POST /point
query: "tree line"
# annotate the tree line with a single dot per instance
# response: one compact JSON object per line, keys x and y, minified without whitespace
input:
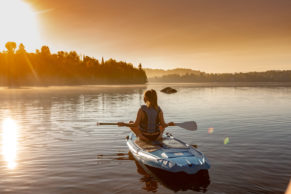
{"x":20,"y":68}
{"x":268,"y":76}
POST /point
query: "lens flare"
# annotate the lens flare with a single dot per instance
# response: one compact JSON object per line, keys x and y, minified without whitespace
{"x":9,"y":142}
{"x":226,"y":140}
{"x":210,"y":130}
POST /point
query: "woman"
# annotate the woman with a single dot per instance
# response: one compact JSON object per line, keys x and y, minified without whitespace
{"x":149,"y":124}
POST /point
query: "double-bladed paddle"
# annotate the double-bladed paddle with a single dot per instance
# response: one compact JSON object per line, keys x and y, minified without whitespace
{"x":188,"y":125}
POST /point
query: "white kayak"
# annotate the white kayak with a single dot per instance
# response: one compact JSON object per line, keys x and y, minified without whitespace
{"x":169,"y":154}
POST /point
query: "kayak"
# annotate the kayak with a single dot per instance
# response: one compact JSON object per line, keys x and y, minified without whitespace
{"x":169,"y":154}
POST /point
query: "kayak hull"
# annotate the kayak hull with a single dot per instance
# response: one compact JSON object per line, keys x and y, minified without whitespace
{"x":173,"y":181}
{"x":171,"y":155}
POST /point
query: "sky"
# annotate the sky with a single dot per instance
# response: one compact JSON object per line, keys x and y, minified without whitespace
{"x":208,"y":35}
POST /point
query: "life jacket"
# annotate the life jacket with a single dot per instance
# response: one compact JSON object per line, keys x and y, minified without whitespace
{"x":151,"y":122}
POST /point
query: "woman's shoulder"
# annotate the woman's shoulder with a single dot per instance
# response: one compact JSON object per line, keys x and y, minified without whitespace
{"x":143,"y":107}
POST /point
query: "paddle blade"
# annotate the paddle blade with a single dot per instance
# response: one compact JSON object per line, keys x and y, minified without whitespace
{"x":189,"y":125}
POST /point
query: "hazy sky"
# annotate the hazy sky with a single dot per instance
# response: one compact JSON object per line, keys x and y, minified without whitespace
{"x":207,"y":35}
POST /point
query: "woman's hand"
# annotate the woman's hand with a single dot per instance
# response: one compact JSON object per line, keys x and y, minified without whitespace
{"x":171,"y":124}
{"x":121,"y":124}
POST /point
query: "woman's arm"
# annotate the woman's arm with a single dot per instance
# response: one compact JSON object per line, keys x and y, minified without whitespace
{"x":133,"y":124}
{"x":137,"y":120}
{"x":162,"y":121}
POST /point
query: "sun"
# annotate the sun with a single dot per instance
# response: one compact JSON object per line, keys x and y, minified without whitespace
{"x":18,"y":23}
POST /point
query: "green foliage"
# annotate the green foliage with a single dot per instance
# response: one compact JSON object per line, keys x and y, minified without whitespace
{"x":21,"y":68}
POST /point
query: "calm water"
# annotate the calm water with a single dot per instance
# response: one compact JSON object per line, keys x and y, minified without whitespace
{"x":51,"y":144}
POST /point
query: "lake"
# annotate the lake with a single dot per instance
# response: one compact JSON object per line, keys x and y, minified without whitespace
{"x":50,"y":142}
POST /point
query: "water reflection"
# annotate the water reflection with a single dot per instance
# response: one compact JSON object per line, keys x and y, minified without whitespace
{"x":173,"y":181}
{"x":153,"y":178}
{"x":9,"y":142}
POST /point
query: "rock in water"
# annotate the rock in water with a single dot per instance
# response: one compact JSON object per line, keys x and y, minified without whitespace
{"x":169,"y":90}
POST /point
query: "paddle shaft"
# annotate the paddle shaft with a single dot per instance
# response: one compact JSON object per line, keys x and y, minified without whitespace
{"x":117,"y":124}
{"x":107,"y":124}
{"x":191,"y":126}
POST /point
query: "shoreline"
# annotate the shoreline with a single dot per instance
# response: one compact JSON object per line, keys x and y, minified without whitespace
{"x":227,"y":84}
{"x":163,"y":84}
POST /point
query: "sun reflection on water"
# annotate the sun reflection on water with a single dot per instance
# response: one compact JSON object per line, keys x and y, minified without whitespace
{"x":9,"y":142}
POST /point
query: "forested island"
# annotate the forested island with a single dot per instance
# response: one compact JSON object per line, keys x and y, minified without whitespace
{"x":267,"y":76}
{"x":43,"y":68}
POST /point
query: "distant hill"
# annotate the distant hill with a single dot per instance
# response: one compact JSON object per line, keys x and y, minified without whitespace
{"x":267,"y":76}
{"x":151,"y":73}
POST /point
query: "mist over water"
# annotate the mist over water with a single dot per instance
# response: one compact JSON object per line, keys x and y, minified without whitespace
{"x":50,"y":142}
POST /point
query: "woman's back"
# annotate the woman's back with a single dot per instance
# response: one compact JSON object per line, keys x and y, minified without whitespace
{"x":150,"y":119}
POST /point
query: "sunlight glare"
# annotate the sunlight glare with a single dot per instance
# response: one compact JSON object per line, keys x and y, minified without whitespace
{"x":18,"y":24}
{"x":9,"y":142}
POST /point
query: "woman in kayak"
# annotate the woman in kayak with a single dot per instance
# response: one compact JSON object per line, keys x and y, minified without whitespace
{"x":149,"y":124}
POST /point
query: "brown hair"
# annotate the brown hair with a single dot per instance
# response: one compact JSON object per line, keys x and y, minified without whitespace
{"x":151,"y":96}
